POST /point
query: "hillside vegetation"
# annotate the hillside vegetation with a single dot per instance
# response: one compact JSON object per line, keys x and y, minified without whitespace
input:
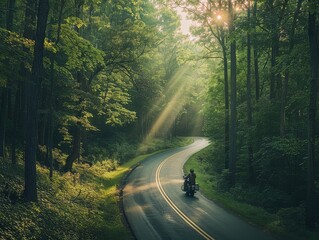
{"x":258,"y":208}
{"x":83,"y":204}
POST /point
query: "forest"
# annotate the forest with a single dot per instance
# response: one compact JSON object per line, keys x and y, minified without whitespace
{"x":88,"y":85}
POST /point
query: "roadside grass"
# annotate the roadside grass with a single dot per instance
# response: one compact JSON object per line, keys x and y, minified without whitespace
{"x":79,"y":205}
{"x":254,"y":215}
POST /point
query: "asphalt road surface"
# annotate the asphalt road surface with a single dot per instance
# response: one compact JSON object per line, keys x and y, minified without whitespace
{"x":156,"y":208}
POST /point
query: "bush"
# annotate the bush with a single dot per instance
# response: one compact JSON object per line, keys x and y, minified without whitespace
{"x":292,"y":218}
{"x":224,"y":181}
{"x":122,"y":151}
{"x":245,"y":194}
{"x":105,"y":166}
{"x":69,"y":207}
{"x":273,"y":199}
{"x":270,"y":199}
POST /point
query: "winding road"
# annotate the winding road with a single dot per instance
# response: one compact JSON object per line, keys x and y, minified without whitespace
{"x":156,"y":208}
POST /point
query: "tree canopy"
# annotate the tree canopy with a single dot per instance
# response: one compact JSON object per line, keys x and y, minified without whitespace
{"x":82,"y":77}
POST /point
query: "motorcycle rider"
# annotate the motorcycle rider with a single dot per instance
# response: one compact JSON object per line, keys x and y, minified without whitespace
{"x":190,"y":178}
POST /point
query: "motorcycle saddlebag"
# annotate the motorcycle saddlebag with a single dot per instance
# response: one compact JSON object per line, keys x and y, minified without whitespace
{"x":184,"y":188}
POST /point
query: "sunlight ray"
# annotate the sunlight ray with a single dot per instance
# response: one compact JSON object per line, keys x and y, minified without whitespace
{"x":177,"y":88}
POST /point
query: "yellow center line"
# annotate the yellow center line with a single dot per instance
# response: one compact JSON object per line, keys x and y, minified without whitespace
{"x":175,"y":208}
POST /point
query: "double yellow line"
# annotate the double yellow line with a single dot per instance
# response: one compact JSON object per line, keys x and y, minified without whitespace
{"x":175,"y":208}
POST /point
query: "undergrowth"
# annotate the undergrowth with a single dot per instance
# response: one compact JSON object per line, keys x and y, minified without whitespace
{"x":81,"y":205}
{"x":286,"y":223}
{"x":78,"y":205}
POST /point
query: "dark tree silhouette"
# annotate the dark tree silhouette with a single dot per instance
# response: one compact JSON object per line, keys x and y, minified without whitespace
{"x":30,"y":192}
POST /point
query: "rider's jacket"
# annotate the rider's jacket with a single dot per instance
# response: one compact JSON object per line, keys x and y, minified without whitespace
{"x":191,"y":178}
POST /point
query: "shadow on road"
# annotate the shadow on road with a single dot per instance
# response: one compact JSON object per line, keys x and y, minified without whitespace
{"x":189,"y":199}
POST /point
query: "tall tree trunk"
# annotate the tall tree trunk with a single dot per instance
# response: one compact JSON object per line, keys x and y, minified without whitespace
{"x":286,"y":78}
{"x":76,"y":143}
{"x":274,"y":25}
{"x":30,"y":191}
{"x":256,"y":62}
{"x":15,"y":126}
{"x":28,"y":32}
{"x":226,"y":123}
{"x":274,"y":77}
{"x":219,"y":34}
{"x":314,"y":65}
{"x":256,"y":73}
{"x":249,"y":104}
{"x":3,"y":120}
{"x":233,"y":101}
{"x":284,"y":95}
{"x":11,"y":7}
{"x":29,"y":19}
{"x":76,"y":147}
{"x":51,"y":93}
{"x":5,"y":91}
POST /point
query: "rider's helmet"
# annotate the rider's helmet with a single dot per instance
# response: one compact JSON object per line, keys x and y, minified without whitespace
{"x":192,"y":170}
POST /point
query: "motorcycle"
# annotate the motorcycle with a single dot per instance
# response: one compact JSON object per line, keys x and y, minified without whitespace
{"x":189,"y":189}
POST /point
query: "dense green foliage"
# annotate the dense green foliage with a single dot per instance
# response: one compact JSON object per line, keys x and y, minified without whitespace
{"x":259,"y":208}
{"x":110,"y":71}
{"x":72,"y":206}
{"x":274,"y":162}
{"x":79,"y":205}
{"x":115,"y":74}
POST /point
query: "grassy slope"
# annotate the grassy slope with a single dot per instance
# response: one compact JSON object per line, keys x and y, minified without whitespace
{"x":252,"y":214}
{"x":81,"y":205}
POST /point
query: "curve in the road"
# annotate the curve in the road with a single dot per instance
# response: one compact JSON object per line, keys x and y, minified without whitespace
{"x":175,"y":208}
{"x":156,"y":208}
